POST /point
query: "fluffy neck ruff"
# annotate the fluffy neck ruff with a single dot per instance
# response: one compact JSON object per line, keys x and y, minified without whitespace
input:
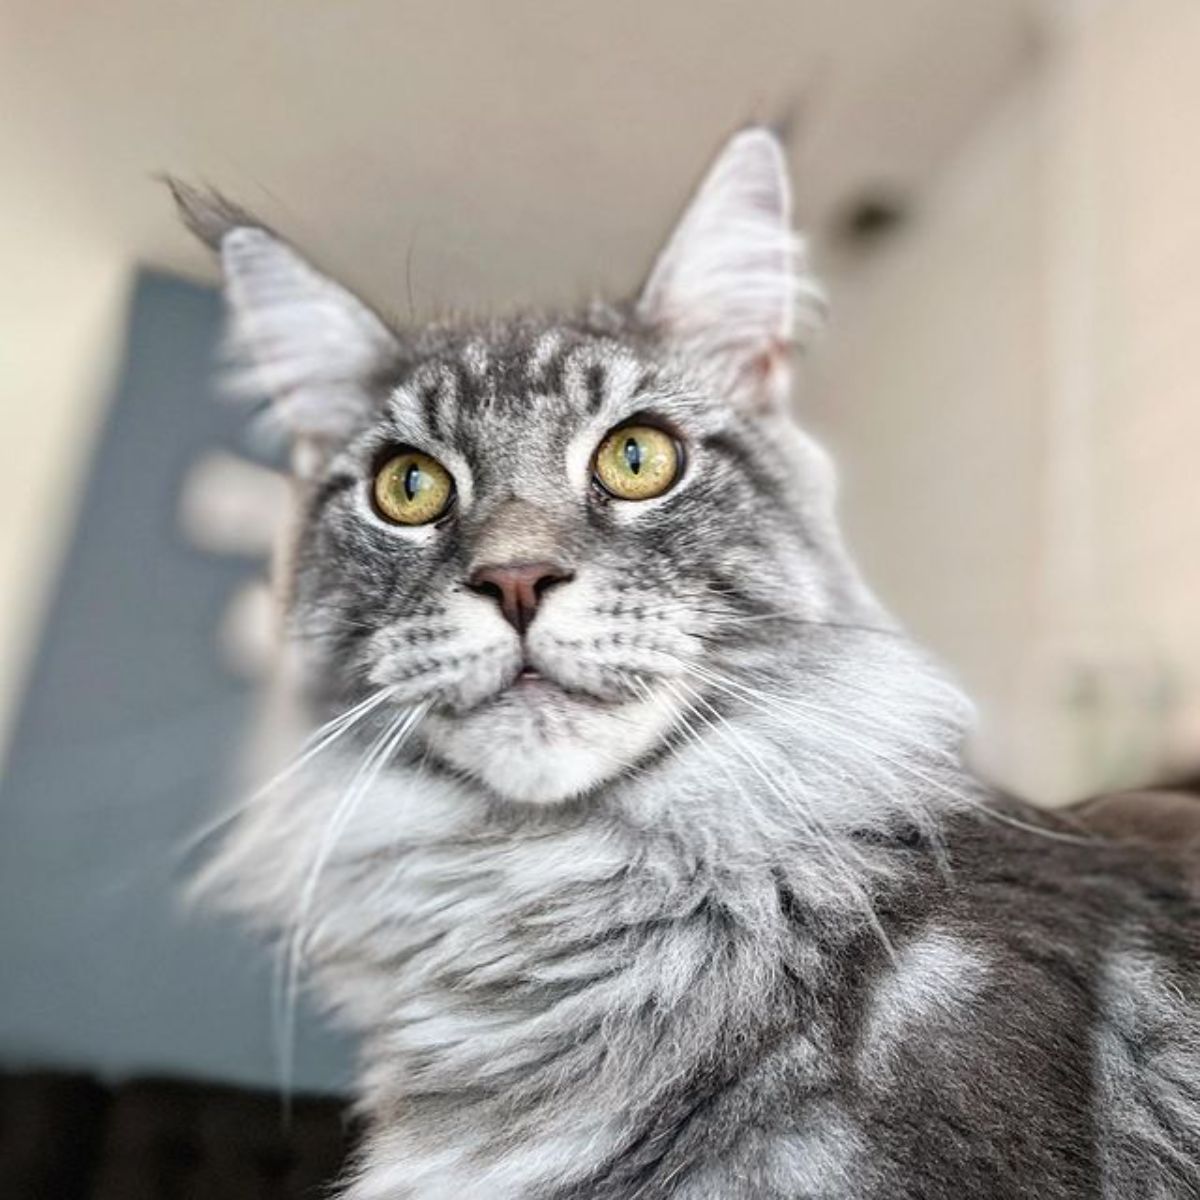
{"x":533,"y":983}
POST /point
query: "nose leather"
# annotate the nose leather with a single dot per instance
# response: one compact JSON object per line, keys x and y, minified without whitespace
{"x":518,"y":588}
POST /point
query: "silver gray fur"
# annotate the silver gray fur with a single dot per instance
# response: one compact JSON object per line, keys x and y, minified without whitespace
{"x":715,"y":912}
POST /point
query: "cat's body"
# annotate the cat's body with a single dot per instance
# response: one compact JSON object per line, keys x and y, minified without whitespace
{"x":596,"y":1002}
{"x":651,"y":869}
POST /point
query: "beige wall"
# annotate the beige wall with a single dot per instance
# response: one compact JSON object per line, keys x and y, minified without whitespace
{"x":1012,"y":387}
{"x":926,"y":391}
{"x":1148,"y":422}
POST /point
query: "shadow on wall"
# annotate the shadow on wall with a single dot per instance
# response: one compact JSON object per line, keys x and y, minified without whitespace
{"x":123,"y":748}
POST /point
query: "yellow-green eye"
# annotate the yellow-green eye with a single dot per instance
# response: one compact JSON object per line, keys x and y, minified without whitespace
{"x":637,"y":462}
{"x":413,"y":489}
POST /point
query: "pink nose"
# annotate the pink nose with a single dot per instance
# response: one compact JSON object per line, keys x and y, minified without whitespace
{"x":518,"y":588}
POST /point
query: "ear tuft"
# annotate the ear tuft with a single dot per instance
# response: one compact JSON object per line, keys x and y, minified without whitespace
{"x":206,"y":213}
{"x":294,"y":335}
{"x":731,"y":283}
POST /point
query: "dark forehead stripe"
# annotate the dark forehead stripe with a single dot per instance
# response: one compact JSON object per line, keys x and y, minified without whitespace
{"x":474,"y":389}
{"x":595,"y":381}
{"x":548,"y":375}
{"x":508,"y":379}
{"x":432,"y":386}
{"x":647,"y":382}
{"x":430,"y":395}
{"x":502,"y":368}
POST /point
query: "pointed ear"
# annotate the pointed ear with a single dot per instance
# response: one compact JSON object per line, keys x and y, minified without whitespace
{"x":295,"y":336}
{"x":730,"y":285}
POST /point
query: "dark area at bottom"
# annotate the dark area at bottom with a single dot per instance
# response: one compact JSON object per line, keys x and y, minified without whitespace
{"x":68,"y":1137}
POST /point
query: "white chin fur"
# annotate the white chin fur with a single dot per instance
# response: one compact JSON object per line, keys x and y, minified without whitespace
{"x":538,"y":746}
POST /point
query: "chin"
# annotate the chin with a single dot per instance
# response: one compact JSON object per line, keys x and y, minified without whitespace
{"x":535,"y":743}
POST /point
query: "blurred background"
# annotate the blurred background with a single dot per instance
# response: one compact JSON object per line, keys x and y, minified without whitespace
{"x":1003,"y":197}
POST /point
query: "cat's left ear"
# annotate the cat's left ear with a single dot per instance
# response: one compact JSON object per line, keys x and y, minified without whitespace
{"x":300,"y":339}
{"x":730,"y":286}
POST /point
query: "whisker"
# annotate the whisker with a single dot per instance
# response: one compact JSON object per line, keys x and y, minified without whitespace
{"x":835,"y":723}
{"x":826,"y":721}
{"x":685,"y":607}
{"x":316,"y":742}
{"x":754,"y":763}
{"x":805,"y":622}
{"x":379,"y":755}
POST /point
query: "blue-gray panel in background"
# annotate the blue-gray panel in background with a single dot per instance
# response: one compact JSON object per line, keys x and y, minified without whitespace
{"x":122,"y":748}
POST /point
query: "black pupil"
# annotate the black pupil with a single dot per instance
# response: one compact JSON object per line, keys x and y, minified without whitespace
{"x":412,"y":481}
{"x":633,"y":455}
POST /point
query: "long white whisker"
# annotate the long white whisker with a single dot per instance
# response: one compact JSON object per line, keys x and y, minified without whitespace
{"x":754,"y":764}
{"x":317,"y":742}
{"x":381,"y":752}
{"x":835,"y":725}
{"x":829,"y":725}
{"x":285,"y":982}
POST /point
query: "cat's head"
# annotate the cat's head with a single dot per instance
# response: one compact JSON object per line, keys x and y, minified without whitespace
{"x":552,"y":534}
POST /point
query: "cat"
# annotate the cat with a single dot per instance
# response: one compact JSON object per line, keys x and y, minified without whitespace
{"x":636,"y":839}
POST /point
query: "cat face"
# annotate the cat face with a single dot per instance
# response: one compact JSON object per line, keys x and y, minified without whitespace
{"x":552,"y":536}
{"x":631,"y":595}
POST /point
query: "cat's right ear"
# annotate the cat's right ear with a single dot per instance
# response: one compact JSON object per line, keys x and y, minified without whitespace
{"x":296,"y":337}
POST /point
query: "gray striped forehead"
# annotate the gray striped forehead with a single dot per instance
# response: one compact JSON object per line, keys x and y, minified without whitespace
{"x":506,"y":404}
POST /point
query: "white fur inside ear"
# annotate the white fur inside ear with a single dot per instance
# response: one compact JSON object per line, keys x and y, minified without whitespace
{"x":732,"y":277}
{"x":298,"y":337}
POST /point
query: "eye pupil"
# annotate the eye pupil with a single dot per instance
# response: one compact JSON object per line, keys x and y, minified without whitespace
{"x":412,"y":481}
{"x":633,"y":455}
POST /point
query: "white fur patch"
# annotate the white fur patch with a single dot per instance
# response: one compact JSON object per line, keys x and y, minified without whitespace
{"x":535,"y":746}
{"x":1148,"y":1064}
{"x":933,"y":981}
{"x":396,"y":1169}
{"x":821,"y":1158}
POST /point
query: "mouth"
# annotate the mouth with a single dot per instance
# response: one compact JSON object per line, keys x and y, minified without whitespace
{"x":528,"y":687}
{"x":530,"y":682}
{"x":532,"y":685}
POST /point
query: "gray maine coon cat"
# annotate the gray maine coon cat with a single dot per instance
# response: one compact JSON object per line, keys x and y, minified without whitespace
{"x":637,"y":843}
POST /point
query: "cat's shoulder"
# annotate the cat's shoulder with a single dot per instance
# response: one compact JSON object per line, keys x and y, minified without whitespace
{"x":1161,"y":818}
